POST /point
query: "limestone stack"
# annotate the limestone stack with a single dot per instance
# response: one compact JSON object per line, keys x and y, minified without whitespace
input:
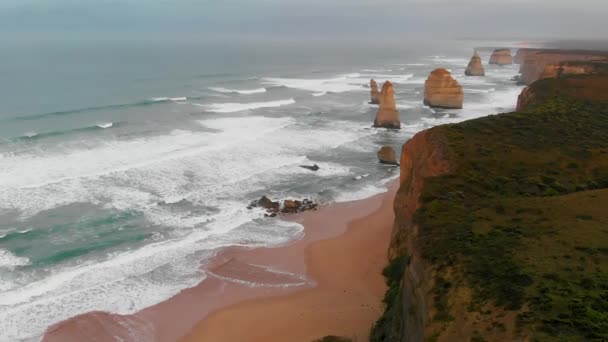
{"x":375,"y":92}
{"x":501,"y":57}
{"x":387,"y":116}
{"x":475,"y":67}
{"x":441,"y":90}
{"x":387,"y":155}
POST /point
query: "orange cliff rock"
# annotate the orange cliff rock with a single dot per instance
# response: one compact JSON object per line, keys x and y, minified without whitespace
{"x":534,"y":62}
{"x":375,"y":93}
{"x":387,"y":116}
{"x":593,"y":87}
{"x":522,"y":53}
{"x":501,"y":57}
{"x":475,"y":67}
{"x":573,"y":68}
{"x":441,"y":90}
{"x":424,"y":156}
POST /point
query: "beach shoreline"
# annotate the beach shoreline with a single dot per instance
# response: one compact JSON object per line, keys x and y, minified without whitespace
{"x":330,"y":279}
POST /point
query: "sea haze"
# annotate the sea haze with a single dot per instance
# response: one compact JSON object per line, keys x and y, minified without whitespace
{"x":124,"y":166}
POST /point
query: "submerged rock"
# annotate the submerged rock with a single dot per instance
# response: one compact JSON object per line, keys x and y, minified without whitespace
{"x":315,"y":167}
{"x":387,"y":155}
{"x":441,"y":90}
{"x":501,"y":57}
{"x":375,"y":93}
{"x":475,"y":67}
{"x":387,"y":116}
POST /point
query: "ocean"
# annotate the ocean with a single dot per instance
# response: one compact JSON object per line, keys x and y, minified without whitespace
{"x":124,"y":166}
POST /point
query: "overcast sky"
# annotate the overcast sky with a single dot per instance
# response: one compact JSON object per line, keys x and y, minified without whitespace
{"x":444,"y":18}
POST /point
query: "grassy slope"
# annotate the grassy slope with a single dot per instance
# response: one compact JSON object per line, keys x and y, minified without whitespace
{"x":522,"y":223}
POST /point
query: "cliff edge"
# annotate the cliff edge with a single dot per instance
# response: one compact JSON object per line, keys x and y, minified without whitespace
{"x":500,"y":224}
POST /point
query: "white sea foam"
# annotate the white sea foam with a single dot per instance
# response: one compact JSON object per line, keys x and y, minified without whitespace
{"x":319,"y":94}
{"x":400,"y":79}
{"x":105,"y":125}
{"x":237,"y":91}
{"x":447,"y":60}
{"x":408,"y":104}
{"x":164,"y":99}
{"x":238,"y":107}
{"x":362,"y":193}
{"x":8,"y":259}
{"x":297,"y":279}
{"x":340,"y":84}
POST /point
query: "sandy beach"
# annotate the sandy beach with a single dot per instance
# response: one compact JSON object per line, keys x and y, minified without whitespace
{"x":327,"y":283}
{"x":346,"y":300}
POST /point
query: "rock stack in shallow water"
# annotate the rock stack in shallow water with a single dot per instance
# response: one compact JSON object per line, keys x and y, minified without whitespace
{"x":501,"y":57}
{"x":475,"y":67}
{"x":387,"y":155}
{"x":387,"y":116}
{"x":375,"y":92}
{"x":441,"y":90}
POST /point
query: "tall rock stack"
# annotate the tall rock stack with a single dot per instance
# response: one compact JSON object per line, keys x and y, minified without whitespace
{"x":441,"y":90}
{"x":475,"y":67}
{"x":501,"y":57}
{"x":375,"y":92}
{"x":388,"y":116}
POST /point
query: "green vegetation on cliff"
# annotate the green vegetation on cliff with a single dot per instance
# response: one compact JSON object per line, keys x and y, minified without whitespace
{"x":521,"y":223}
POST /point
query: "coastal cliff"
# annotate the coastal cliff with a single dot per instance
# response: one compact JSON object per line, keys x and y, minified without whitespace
{"x":498,"y":221}
{"x":424,"y":156}
{"x":574,"y":68}
{"x":585,"y":87}
{"x":534,"y":62}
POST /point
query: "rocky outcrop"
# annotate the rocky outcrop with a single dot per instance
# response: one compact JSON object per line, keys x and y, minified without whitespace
{"x":534,"y":63}
{"x":475,"y":67}
{"x":582,"y":87}
{"x":375,"y":93}
{"x":387,"y":155}
{"x":314,"y":167}
{"x":387,"y":116}
{"x":441,"y":90}
{"x":501,"y":57}
{"x":273,"y":208}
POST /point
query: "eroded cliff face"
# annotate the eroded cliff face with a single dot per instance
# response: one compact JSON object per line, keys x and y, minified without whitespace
{"x":535,"y":61}
{"x":573,"y":68}
{"x":592,"y":87}
{"x":475,"y":67}
{"x":521,"y":54}
{"x":387,"y":116}
{"x":501,"y":57}
{"x":441,"y":90}
{"x":424,"y":156}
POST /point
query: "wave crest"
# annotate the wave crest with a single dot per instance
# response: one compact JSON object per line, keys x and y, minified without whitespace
{"x":237,"y":91}
{"x":238,"y":107}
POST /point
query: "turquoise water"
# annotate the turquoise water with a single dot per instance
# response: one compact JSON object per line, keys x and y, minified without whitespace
{"x":125,"y":165}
